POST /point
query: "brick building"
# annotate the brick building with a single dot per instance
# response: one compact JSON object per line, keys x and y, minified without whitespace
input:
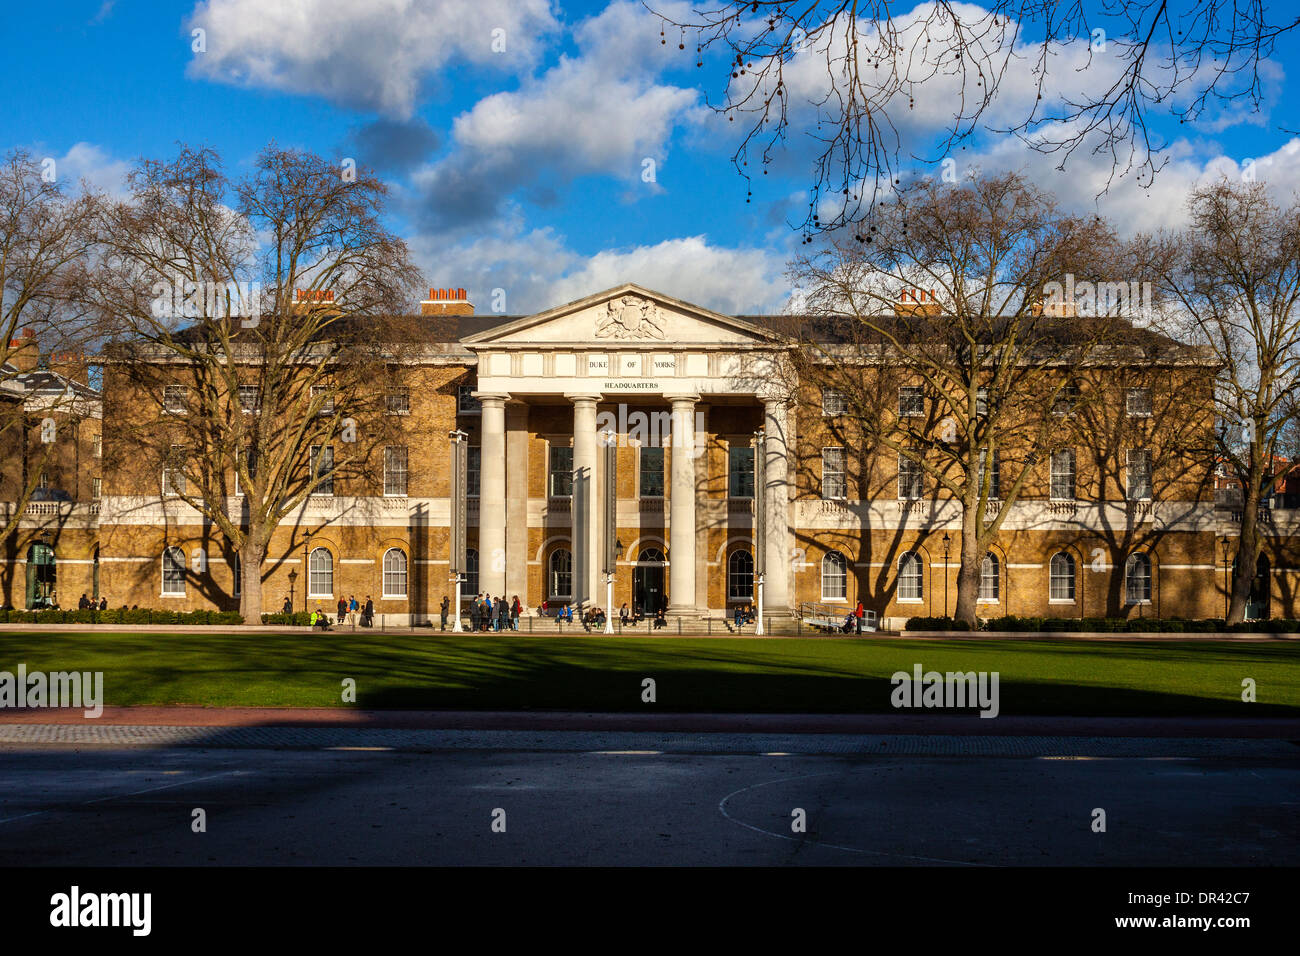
{"x":1131,"y":530}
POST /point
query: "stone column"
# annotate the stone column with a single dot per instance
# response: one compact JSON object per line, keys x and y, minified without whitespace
{"x":586,"y":540}
{"x":492,"y":496}
{"x":681,"y":518}
{"x":776,"y":589}
{"x":516,"y":502}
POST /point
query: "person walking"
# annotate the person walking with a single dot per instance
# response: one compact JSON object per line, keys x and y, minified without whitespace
{"x":288,"y":606}
{"x":858,"y":615}
{"x":369,"y":613}
{"x":623,"y":615}
{"x":445,"y":609}
{"x":515,"y":610}
{"x":103,"y":603}
{"x":343,"y":610}
{"x":353,"y":608}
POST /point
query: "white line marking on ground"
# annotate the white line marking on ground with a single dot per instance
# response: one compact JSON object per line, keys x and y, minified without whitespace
{"x":134,"y":793}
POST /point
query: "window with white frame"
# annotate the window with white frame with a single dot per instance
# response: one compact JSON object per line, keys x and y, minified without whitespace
{"x":1066,"y":399}
{"x":97,"y":446}
{"x":1137,"y":402}
{"x":470,"y":587}
{"x":560,"y":574}
{"x":911,"y":577}
{"x":320,"y":573}
{"x":173,"y":473}
{"x":560,"y":470}
{"x":650,"y":470}
{"x":96,"y":486}
{"x":473,"y":470}
{"x":740,"y":472}
{"x":834,"y":482}
{"x":833,"y":402}
{"x":1061,"y":578}
{"x":911,"y":401}
{"x":395,"y":470}
{"x":1139,"y":474}
{"x":982,"y":400}
{"x":994,"y":479}
{"x":1137,"y":579}
{"x":250,"y":458}
{"x":911,"y":480}
{"x":466,"y":403}
{"x":835,"y":576}
{"x":1062,"y":485}
{"x":173,"y":571}
{"x":740,"y":576}
{"x":398,"y":401}
{"x":394,"y":573}
{"x":322,"y":467}
{"x":322,"y":395}
{"x":990,"y":579}
{"x":175,"y":398}
{"x":249,"y":400}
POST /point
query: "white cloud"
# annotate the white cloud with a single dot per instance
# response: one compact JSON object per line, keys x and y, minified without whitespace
{"x":88,"y":162}
{"x":375,"y":54}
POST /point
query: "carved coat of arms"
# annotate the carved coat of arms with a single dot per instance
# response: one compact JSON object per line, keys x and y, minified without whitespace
{"x":630,"y":317}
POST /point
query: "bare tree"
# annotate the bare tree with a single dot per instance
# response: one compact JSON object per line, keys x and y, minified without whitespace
{"x":849,"y":73}
{"x":985,"y":371}
{"x":44,"y":241}
{"x":252,"y":324}
{"x":1233,"y":281}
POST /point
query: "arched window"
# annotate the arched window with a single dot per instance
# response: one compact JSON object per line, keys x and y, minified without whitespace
{"x":911,"y":577}
{"x":560,"y":574}
{"x":651,"y":556}
{"x":740,"y":576}
{"x":469,"y":587}
{"x":394,"y":573}
{"x":990,"y":580}
{"x":1061,"y":577}
{"x":835,"y":576}
{"x":320,"y":576}
{"x":173,"y":571}
{"x":1137,"y":579}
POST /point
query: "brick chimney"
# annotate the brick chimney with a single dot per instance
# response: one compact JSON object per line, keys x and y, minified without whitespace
{"x":309,"y":298}
{"x":918,"y":302}
{"x":447,"y":302}
{"x":24,"y":353}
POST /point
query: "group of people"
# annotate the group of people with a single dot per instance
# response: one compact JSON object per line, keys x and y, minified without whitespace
{"x":88,"y":604}
{"x":853,"y":620}
{"x":487,"y":613}
{"x":349,"y":611}
{"x":745,"y":614}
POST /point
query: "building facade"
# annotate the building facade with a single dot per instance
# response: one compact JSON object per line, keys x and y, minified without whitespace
{"x":1126,"y":527}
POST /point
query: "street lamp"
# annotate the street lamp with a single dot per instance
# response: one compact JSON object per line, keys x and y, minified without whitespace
{"x":946,"y":541}
{"x":293,"y":579}
{"x":1227,"y":584}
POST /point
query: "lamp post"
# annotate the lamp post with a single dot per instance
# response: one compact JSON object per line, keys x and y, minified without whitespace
{"x":293,"y":579}
{"x":946,"y":542}
{"x":1227,"y":584}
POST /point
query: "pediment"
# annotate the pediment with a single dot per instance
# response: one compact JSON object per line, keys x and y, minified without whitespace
{"x":628,"y":315}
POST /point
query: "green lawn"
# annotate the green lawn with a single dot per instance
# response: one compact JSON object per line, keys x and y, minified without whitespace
{"x":433,"y":671}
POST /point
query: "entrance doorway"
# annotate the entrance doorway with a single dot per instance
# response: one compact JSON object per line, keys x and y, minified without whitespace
{"x":1257,"y":602}
{"x":40,"y":576}
{"x":648,"y":582}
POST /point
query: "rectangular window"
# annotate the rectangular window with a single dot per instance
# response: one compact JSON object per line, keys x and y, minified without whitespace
{"x":1066,"y":400}
{"x":560,"y":470}
{"x":323,"y":395}
{"x":174,"y":399}
{"x":911,"y":401}
{"x":97,"y":446}
{"x":248,"y":398}
{"x":399,"y":401}
{"x":473,"y":470}
{"x":96,"y":485}
{"x":249,"y":457}
{"x":322,"y":466}
{"x":1139,"y":474}
{"x":395,"y":470}
{"x":982,"y":400}
{"x":466,"y":403}
{"x":173,"y":571}
{"x":44,"y":481}
{"x":833,"y":402}
{"x":173,"y":476}
{"x":834,"y":482}
{"x":995,"y":479}
{"x":652,"y":472}
{"x":740,"y":472}
{"x":1063,"y":475}
{"x":1137,"y":403}
{"x":911,"y":480}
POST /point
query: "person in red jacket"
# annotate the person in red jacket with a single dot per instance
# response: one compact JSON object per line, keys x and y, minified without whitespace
{"x":858,"y":614}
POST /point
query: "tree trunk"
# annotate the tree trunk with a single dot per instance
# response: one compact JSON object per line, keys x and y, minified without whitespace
{"x":251,"y":556}
{"x":1247,"y":554}
{"x":968,"y":575}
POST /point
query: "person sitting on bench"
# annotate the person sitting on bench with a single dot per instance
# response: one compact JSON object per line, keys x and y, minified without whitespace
{"x":318,"y":619}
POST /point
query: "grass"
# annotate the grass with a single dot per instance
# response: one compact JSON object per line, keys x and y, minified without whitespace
{"x":423,"y":671}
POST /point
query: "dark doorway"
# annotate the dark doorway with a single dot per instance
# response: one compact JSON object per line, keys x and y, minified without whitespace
{"x":648,"y":582}
{"x":40,"y":576}
{"x":1257,"y":602}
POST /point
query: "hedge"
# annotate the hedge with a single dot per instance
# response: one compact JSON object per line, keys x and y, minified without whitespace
{"x":1145,"y":625}
{"x":302,"y":618}
{"x":120,"y":616}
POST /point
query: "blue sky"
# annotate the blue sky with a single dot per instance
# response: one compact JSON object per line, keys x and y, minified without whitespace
{"x":518,"y":169}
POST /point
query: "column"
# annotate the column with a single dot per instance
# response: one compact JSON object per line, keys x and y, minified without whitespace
{"x":492,"y":496}
{"x":681,"y":516}
{"x":776,"y":587}
{"x":586,"y":540}
{"x":516,"y":502}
